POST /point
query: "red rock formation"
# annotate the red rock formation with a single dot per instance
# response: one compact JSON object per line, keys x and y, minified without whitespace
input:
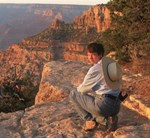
{"x":56,"y":86}
{"x":57,"y":24}
{"x":96,"y":17}
{"x":1,"y":55}
{"x":75,"y":51}
{"x":30,"y":55}
{"x":20,"y":60}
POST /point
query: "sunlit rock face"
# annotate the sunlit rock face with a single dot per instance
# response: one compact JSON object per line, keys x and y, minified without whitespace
{"x":96,"y":17}
{"x":58,"y":79}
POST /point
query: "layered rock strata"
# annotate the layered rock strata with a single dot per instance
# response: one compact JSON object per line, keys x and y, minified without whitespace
{"x":96,"y":17}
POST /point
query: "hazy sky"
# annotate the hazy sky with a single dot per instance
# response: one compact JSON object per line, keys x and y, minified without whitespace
{"x":79,"y":2}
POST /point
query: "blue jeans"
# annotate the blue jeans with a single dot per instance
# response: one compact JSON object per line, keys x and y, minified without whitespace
{"x":94,"y":108}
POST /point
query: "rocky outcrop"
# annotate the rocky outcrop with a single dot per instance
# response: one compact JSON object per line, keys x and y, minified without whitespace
{"x":26,"y":60}
{"x":23,"y":20}
{"x":56,"y":84}
{"x":96,"y":17}
{"x":30,"y":56}
{"x":53,"y":115}
{"x":59,"y":50}
{"x":59,"y":119}
{"x":75,"y":51}
{"x":22,"y":61}
{"x":57,"y":24}
{"x":34,"y":44}
{"x":58,"y":79}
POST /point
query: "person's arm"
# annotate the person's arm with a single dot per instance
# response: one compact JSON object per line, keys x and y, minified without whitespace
{"x":89,"y":82}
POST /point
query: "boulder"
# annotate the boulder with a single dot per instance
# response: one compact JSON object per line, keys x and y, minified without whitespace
{"x":59,"y":78}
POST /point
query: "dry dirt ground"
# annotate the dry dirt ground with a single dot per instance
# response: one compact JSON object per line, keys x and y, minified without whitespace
{"x":139,"y":77}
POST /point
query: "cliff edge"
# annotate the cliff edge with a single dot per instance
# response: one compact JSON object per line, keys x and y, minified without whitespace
{"x":53,"y":115}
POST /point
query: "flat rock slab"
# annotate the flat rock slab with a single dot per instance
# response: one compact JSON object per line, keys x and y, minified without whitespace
{"x":59,"y":120}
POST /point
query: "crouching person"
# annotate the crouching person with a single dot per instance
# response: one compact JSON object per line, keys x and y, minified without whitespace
{"x":96,"y":99}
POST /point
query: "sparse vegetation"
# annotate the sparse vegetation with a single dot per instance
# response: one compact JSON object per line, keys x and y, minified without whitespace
{"x":65,"y":34}
{"x":16,"y":93}
{"x":130,"y":33}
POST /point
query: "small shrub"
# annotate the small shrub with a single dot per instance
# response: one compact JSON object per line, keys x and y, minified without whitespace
{"x":16,"y":93}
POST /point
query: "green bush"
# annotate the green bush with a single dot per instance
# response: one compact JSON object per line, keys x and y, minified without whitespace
{"x":17,"y":93}
{"x":130,"y":29}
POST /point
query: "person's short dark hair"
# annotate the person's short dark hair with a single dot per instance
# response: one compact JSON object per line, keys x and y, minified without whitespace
{"x":96,"y":48}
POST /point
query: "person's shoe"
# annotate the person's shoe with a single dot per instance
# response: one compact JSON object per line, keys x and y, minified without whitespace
{"x":89,"y":125}
{"x":102,"y":123}
{"x":101,"y":127}
{"x":113,"y":123}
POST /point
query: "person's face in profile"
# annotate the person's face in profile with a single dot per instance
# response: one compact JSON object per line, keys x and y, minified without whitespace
{"x":93,"y":57}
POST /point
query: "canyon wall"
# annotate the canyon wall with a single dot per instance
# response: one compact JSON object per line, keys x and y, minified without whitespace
{"x":23,"y":20}
{"x":29,"y":57}
{"x":96,"y":17}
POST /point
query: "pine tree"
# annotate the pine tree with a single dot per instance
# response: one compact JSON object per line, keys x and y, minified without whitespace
{"x":130,"y":25}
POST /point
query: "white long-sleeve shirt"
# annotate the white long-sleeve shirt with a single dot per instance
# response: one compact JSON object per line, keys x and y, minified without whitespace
{"x":94,"y":80}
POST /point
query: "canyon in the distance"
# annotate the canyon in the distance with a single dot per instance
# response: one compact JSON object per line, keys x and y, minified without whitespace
{"x":18,"y":21}
{"x":57,"y":66}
